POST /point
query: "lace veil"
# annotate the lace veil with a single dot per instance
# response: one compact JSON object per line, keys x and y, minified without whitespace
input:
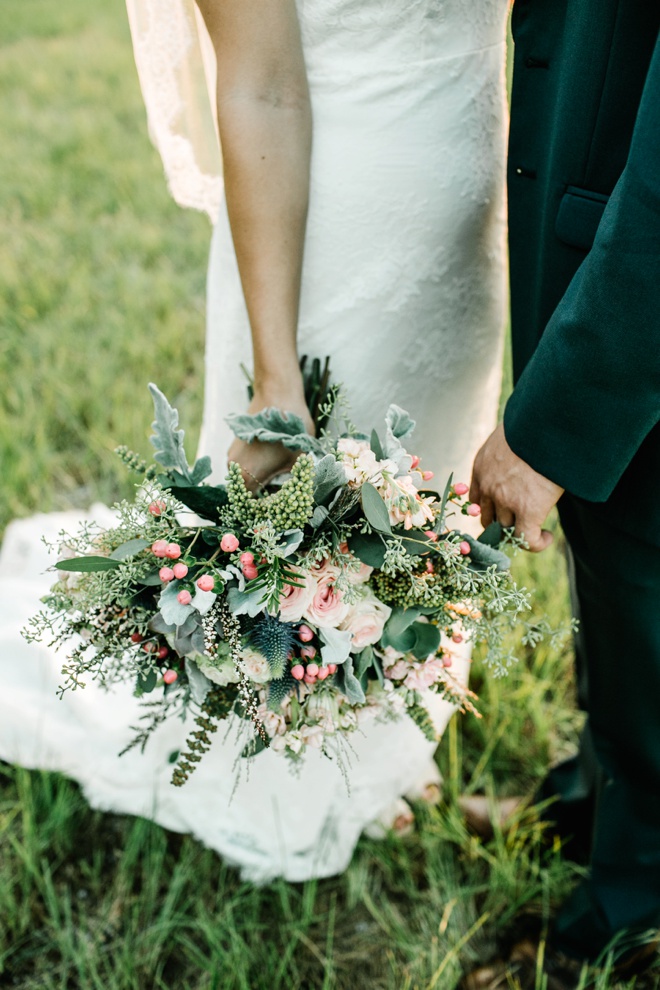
{"x":176,"y":67}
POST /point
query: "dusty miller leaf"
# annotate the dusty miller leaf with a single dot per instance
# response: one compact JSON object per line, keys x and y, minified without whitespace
{"x":167,"y":440}
{"x":274,"y":426}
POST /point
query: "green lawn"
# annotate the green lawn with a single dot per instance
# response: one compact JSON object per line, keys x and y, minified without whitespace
{"x":102,"y":289}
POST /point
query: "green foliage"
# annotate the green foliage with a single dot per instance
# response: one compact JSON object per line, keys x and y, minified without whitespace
{"x":420,"y":716}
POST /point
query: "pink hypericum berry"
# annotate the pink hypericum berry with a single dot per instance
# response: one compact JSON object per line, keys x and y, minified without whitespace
{"x":158,"y":507}
{"x":457,"y":638}
{"x":250,"y":573}
{"x":447,"y":661}
{"x":332,"y":667}
{"x":136,"y":637}
{"x":298,"y":671}
{"x":461,"y":488}
{"x":170,"y":676}
{"x":305,"y":634}
{"x":427,"y":475}
{"x":206,"y":582}
{"x":173,"y":550}
{"x":308,"y":651}
{"x":464,"y":547}
{"x":247,"y":559}
{"x":162,"y":652}
{"x":309,"y":679}
{"x":149,"y":647}
{"x":166,"y":574}
{"x":430,"y":535}
{"x":229,"y":543}
{"x":159,"y":548}
{"x":184,"y":597}
{"x":415,"y":462}
{"x":323,"y":673}
{"x":474,"y":509}
{"x":180,"y":569}
{"x":430,"y":569}
{"x":312,"y":669}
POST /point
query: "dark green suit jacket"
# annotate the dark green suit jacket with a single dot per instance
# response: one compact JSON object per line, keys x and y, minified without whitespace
{"x":584,"y":202}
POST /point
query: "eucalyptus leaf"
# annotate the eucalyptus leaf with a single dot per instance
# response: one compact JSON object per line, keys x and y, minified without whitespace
{"x":376,"y":446}
{"x":84,"y":565}
{"x":440,"y":521}
{"x":368,"y":547}
{"x":364,"y":661}
{"x":150,"y":580}
{"x":427,"y":639}
{"x":375,"y":509}
{"x":146,"y":682}
{"x":167,"y":440}
{"x":129,"y":549}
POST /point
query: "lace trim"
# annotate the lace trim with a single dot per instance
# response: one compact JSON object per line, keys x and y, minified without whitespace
{"x":176,"y":68}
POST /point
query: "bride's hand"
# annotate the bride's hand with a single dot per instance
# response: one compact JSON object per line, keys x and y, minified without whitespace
{"x":261,"y":462}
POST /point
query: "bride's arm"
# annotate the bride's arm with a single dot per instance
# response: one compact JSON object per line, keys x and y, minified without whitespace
{"x":264,"y":118}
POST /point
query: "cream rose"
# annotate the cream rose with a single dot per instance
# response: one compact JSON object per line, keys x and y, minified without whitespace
{"x":255,"y":665}
{"x":366,"y":621}
{"x":221,"y":673}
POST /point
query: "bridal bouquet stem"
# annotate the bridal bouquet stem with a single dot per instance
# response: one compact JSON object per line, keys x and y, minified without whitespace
{"x":302,"y":610}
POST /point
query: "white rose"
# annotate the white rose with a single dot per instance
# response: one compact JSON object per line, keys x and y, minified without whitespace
{"x":366,"y":621}
{"x":255,"y":665}
{"x":222,"y":673}
{"x":312,"y":735}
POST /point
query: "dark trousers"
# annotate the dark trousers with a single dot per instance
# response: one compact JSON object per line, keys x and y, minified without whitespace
{"x":609,"y":794}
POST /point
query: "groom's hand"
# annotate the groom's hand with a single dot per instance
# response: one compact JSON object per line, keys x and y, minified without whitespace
{"x":509,"y":490}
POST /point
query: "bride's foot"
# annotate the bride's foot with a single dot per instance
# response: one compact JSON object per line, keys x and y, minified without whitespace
{"x":427,"y":787}
{"x":398,"y":818}
{"x":483,"y":816}
{"x":261,"y":462}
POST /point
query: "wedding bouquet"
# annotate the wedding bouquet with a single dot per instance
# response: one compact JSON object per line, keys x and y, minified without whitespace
{"x":300,"y":609}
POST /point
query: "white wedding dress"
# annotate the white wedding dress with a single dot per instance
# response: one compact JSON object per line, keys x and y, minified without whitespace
{"x":404,"y":287}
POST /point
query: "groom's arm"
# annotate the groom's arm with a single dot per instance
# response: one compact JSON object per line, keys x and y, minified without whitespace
{"x":591,"y":393}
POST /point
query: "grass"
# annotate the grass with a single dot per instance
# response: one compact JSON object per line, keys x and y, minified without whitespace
{"x":101,"y":289}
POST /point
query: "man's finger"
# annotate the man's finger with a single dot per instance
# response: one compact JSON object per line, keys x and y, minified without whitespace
{"x":505,"y":517}
{"x":487,"y":510}
{"x":537,"y":539}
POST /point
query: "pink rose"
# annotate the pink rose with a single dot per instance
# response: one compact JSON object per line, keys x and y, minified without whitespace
{"x":294,"y":601}
{"x":327,"y":608}
{"x":366,"y":621}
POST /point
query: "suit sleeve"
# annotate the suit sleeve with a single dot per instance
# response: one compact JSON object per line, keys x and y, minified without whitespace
{"x":591,"y":393}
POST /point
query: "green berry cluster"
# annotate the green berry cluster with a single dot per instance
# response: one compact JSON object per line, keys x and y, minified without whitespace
{"x":429,"y":590}
{"x":289,"y":508}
